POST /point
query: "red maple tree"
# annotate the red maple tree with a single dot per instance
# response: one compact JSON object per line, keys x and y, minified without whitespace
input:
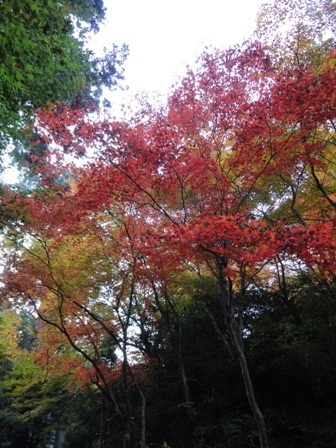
{"x":234,"y":176}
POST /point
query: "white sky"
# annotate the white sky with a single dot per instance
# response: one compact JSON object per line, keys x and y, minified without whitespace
{"x":166,"y":35}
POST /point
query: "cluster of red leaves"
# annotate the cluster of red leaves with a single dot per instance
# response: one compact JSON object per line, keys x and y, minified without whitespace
{"x":87,"y":374}
{"x":187,"y":177}
{"x":187,"y":184}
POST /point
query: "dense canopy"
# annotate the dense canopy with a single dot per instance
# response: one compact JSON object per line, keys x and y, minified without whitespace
{"x":171,"y":281}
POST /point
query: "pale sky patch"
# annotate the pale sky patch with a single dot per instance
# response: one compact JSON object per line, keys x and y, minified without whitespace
{"x":165,"y":36}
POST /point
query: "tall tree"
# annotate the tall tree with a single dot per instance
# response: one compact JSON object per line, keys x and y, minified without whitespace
{"x":220,"y":183}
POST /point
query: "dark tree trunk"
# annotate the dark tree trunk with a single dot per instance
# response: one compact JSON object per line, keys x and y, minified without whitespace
{"x":234,"y":330}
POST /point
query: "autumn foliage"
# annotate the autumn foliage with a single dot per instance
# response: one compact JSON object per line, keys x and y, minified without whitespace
{"x":233,"y":177}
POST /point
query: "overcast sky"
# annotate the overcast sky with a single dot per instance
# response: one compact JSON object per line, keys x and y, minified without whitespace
{"x":165,"y":35}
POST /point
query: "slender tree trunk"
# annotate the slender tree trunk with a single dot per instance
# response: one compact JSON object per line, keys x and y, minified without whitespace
{"x":127,"y":435}
{"x":143,"y":420}
{"x":263,"y":437}
{"x":102,"y":424}
{"x":169,"y":312}
{"x":188,"y":403}
{"x":186,"y":390}
{"x":59,"y":442}
{"x":130,"y":436}
{"x":142,"y":408}
{"x":226,"y":301}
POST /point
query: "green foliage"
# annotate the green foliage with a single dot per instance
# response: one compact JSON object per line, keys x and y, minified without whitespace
{"x":32,"y":399}
{"x":42,"y":60}
{"x":89,"y":421}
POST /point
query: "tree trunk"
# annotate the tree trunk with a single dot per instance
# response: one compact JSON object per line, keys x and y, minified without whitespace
{"x":127,"y":436}
{"x":143,"y":420}
{"x":226,"y":301}
{"x":263,"y":437}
